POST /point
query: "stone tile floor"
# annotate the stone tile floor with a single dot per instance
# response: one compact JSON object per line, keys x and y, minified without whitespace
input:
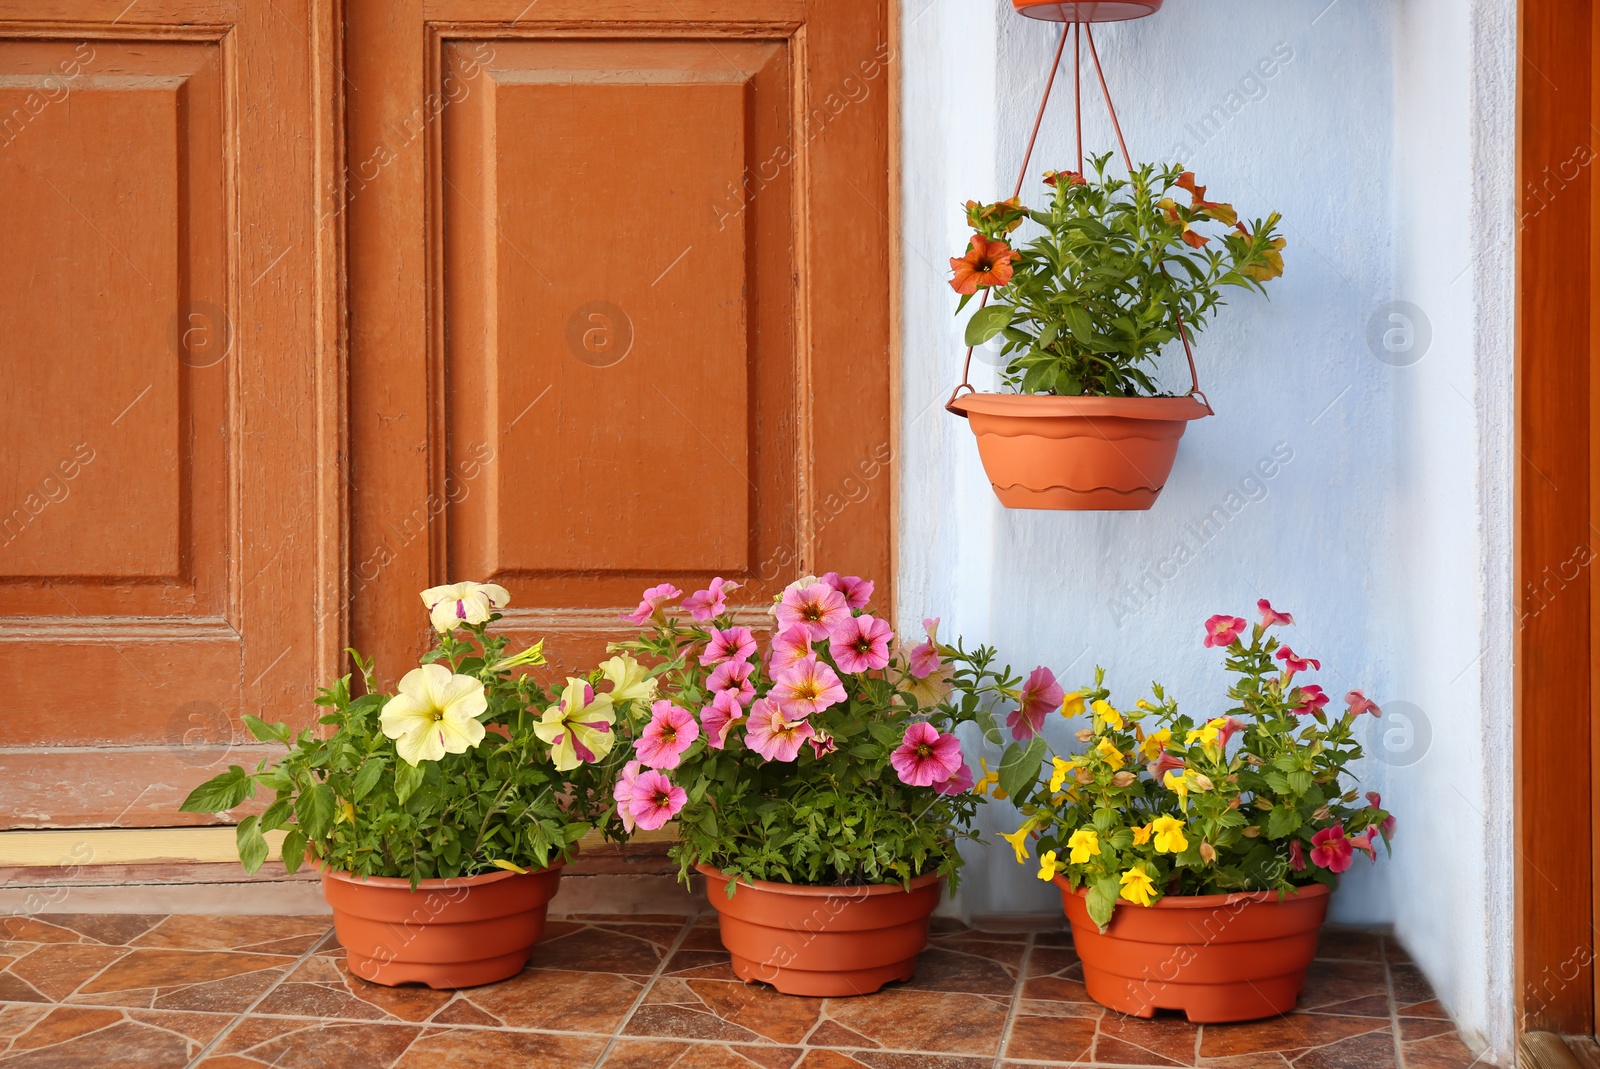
{"x":226,"y":992}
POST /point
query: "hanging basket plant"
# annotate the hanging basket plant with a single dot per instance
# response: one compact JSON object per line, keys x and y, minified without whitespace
{"x":1083,"y":302}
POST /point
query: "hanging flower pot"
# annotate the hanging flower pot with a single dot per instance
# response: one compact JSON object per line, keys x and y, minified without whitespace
{"x":1217,"y":958}
{"x":1087,"y":10}
{"x":823,"y":941}
{"x":1105,"y":453}
{"x":1113,"y":272}
{"x":450,"y":933}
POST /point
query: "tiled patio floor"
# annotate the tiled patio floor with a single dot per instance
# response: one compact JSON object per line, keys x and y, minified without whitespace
{"x":106,"y":991}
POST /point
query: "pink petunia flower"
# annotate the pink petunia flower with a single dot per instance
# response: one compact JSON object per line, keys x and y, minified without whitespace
{"x":1040,"y":694}
{"x":1312,"y":700}
{"x":960,"y":783}
{"x":653,"y":599}
{"x":856,"y":590}
{"x":1292,"y":663}
{"x":1164,"y":764}
{"x":819,"y":607}
{"x":1386,"y":826}
{"x":821,"y":742}
{"x":772,"y":735}
{"x":789,"y":647}
{"x":711,"y":602}
{"x":719,"y":717}
{"x":1228,"y":730}
{"x":1222,"y":630}
{"x":1331,"y":850}
{"x":1270,"y":616}
{"x":733,"y":644}
{"x":671,"y":731}
{"x":805,"y":688}
{"x":925,"y":757}
{"x":656,"y":799}
{"x":623,"y":793}
{"x":733,"y":677}
{"x":1363,"y":842}
{"x":925,"y":659}
{"x":860,"y":644}
{"x":1359,"y":703}
{"x":1297,"y":856}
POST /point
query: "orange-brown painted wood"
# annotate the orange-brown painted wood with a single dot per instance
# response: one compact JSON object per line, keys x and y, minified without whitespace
{"x":165,"y":381}
{"x":600,"y":335}
{"x":1556,"y":326}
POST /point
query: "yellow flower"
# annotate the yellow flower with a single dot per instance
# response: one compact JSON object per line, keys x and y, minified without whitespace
{"x":1153,"y":746}
{"x":578,"y":727}
{"x":1174,"y":781}
{"x":990,"y":783}
{"x":1084,"y":844}
{"x":1047,"y":865}
{"x":1019,"y":842}
{"x":1208,"y":735}
{"x":629,"y":680}
{"x":1136,"y":887}
{"x":1146,"y":706}
{"x":1062,"y":769}
{"x":1072,"y":704}
{"x":1168,"y":833}
{"x":1108,"y":715}
{"x":1141,"y":835}
{"x":1108,"y":751}
{"x":435,"y":712}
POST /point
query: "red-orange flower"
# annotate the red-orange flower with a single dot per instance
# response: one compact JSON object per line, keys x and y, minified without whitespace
{"x":987,"y":263}
{"x":1222,"y":213}
{"x":1191,"y":237}
{"x":1005,"y":215}
{"x":1073,"y":178}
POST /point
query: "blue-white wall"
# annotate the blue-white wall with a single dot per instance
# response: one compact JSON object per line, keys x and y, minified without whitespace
{"x":1382,"y":131}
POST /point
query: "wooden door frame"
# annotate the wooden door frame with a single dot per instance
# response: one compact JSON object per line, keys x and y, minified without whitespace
{"x":1557,"y":330}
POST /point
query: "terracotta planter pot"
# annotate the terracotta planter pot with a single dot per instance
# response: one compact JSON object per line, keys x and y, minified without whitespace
{"x":823,"y":941}
{"x":1215,"y":957}
{"x":447,"y":933}
{"x":1087,"y":10}
{"x":1077,"y":453}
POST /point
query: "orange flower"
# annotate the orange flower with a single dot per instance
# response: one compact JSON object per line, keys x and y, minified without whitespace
{"x":1273,"y":268}
{"x":1222,"y":213}
{"x":987,"y":263}
{"x":1191,"y":237}
{"x":1073,"y":178}
{"x":1006,"y":214}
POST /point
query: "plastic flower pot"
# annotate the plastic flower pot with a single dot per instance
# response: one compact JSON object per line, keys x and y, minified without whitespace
{"x":450,"y":933}
{"x":1087,"y":10}
{"x":823,"y":941}
{"x":1077,"y":453}
{"x":1217,"y":958}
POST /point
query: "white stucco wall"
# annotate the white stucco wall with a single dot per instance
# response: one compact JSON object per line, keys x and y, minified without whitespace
{"x":1384,"y":134}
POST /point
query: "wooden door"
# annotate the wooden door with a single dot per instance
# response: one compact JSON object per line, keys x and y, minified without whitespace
{"x":163,"y":383}
{"x":619,"y":291}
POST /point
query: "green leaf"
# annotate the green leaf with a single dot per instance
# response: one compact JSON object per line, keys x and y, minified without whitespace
{"x":294,"y":850}
{"x":221,"y":792}
{"x":1282,"y":821}
{"x":987,"y":322}
{"x":1102,"y":901}
{"x":1019,"y":765}
{"x":252,"y":844}
{"x":266,"y":732}
{"x":276,"y":816}
{"x":407,"y":778}
{"x":366,"y":778}
{"x":314,"y":810}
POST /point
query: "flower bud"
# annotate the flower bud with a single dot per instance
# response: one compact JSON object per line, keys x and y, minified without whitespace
{"x":1254,"y":760}
{"x":1322,"y":813}
{"x":1208,"y":853}
{"x":1202,"y":782}
{"x":1083,"y":776}
{"x":1251,"y":831}
{"x":1233,"y":803}
{"x":1085,"y":734}
{"x":1123,"y":779}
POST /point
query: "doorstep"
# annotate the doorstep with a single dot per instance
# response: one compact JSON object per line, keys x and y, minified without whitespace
{"x":651,"y":991}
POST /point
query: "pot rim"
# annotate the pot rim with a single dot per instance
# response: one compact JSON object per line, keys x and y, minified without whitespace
{"x":1150,"y":7}
{"x":818,"y":890}
{"x":1313,"y":890}
{"x":1181,"y":408}
{"x":401,"y":883}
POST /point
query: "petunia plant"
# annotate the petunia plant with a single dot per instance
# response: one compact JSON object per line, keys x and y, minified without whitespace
{"x":822,"y":752}
{"x":1159,"y":803}
{"x":468,"y":767}
{"x":1118,"y":268}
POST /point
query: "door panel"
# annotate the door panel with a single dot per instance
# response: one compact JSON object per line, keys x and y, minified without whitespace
{"x":585,"y":351}
{"x":159,"y":400}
